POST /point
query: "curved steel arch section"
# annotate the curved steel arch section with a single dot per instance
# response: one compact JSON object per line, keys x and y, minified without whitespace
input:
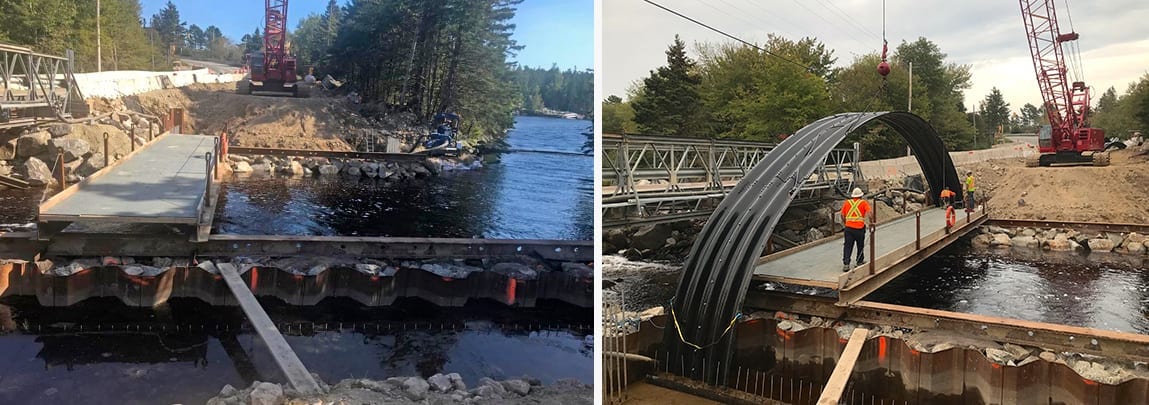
{"x":718,"y":271}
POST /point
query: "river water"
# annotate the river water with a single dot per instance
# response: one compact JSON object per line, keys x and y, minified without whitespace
{"x":543,"y":188}
{"x":102,"y":352}
{"x":1103,"y":291}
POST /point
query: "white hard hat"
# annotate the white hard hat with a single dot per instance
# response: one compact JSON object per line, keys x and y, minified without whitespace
{"x":857,"y":193}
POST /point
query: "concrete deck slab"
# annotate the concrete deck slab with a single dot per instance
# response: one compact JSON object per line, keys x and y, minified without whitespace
{"x":163,"y":181}
{"x":822,"y":263}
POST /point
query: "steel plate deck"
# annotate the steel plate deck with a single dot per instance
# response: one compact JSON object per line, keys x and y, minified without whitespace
{"x":165,"y":180}
{"x":822,"y":264}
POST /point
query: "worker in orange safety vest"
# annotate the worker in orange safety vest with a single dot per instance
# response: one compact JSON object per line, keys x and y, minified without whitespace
{"x":947,"y":196}
{"x":854,"y":213}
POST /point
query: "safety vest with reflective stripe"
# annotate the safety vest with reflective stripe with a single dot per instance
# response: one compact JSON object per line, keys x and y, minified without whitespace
{"x":854,"y":213}
{"x":969,"y":186}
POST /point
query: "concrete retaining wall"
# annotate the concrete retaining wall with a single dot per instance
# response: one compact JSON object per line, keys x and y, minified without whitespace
{"x":908,"y":165}
{"x":126,"y":83}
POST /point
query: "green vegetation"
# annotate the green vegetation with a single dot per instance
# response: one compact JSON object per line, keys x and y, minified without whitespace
{"x":54,"y":26}
{"x":740,"y":92}
{"x":562,"y":90}
{"x":1120,"y":115}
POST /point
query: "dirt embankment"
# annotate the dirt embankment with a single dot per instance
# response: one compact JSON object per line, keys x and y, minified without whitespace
{"x":316,"y":123}
{"x":1115,"y":193}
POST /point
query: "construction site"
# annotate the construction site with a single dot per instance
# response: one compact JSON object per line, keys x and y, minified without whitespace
{"x":241,"y":234}
{"x":723,"y":269}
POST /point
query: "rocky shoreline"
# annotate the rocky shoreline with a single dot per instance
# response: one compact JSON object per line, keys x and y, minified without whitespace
{"x":319,"y":166}
{"x":438,"y":389}
{"x":1061,"y":240}
{"x":30,"y":154}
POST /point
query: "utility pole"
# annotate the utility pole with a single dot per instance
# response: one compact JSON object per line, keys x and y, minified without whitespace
{"x":99,"y":51}
{"x":910,"y":99}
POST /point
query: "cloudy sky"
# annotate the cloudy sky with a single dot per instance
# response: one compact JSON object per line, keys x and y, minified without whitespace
{"x":986,"y":34}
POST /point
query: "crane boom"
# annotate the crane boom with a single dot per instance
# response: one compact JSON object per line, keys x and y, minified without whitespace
{"x":1066,"y":103}
{"x":275,"y":34}
{"x":272,"y":69}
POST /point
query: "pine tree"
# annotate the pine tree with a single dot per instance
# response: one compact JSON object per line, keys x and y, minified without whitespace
{"x":670,"y":103}
{"x":996,"y":110}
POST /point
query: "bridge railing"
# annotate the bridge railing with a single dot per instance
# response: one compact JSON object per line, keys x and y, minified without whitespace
{"x":658,"y":178}
{"x":37,"y":87}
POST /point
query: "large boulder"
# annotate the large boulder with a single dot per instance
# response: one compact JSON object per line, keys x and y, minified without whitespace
{"x":982,"y":240}
{"x":1101,"y":245}
{"x":32,"y":144}
{"x":59,"y":130}
{"x":650,"y":236}
{"x":37,"y":173}
{"x":328,"y":170}
{"x":1024,"y":241}
{"x":1001,"y":239}
{"x":91,"y":165}
{"x":1061,"y":243}
{"x":266,"y":394}
{"x":74,"y":148}
{"x":416,"y":388}
{"x":292,"y":168}
{"x":813,"y":235}
{"x":241,"y":167}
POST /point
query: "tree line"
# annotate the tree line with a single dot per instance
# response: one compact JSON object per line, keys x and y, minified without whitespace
{"x":128,"y":40}
{"x":562,"y":90}
{"x":739,"y":92}
{"x":426,"y":57}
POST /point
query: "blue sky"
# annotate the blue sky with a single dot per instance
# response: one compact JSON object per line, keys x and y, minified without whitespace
{"x":553,"y":31}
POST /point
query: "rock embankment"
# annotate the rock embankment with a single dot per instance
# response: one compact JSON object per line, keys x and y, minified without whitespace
{"x":359,"y":168}
{"x":1061,"y":240}
{"x":438,"y":389}
{"x":32,"y":154}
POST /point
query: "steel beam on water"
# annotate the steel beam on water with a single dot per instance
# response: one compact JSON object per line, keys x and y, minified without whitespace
{"x":1077,"y":226}
{"x":395,"y":157}
{"x":24,"y":245}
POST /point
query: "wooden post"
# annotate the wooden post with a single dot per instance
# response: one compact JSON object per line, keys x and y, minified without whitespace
{"x":844,"y":367}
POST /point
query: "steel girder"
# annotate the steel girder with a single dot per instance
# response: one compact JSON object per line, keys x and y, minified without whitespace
{"x":718,"y":271}
{"x":35,"y":87}
{"x":689,"y":175}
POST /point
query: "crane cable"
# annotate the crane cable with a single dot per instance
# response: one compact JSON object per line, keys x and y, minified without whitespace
{"x":1075,"y":60}
{"x":744,"y":42}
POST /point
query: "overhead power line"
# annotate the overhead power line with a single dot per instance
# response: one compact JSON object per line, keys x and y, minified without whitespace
{"x":804,"y":67}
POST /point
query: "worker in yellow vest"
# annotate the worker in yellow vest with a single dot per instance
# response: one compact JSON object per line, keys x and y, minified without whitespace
{"x":854,"y":213}
{"x":970,"y":188}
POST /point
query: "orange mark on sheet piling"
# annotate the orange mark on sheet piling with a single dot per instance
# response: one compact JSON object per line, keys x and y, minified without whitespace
{"x":448,"y":279}
{"x":511,"y":284}
{"x":254,"y":278}
{"x":883,"y":347}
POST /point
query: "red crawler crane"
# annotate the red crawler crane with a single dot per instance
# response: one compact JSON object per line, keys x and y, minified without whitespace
{"x":1068,"y":139}
{"x":272,"y":69}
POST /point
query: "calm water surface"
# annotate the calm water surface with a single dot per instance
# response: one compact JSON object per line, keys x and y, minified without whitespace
{"x":542,"y":189}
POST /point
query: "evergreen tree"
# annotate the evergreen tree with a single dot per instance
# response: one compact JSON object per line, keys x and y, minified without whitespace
{"x":995,"y":110}
{"x":169,"y":28}
{"x":670,"y":104}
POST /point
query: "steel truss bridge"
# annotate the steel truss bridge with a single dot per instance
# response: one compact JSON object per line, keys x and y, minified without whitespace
{"x":37,"y":88}
{"x":650,"y":179}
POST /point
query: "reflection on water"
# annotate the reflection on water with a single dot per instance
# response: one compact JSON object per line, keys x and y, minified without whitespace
{"x":18,"y":206}
{"x":541,"y":189}
{"x":100,"y":351}
{"x":1102,"y":291}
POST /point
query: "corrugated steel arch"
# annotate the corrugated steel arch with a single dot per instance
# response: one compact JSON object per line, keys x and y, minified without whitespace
{"x":717,"y":273}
